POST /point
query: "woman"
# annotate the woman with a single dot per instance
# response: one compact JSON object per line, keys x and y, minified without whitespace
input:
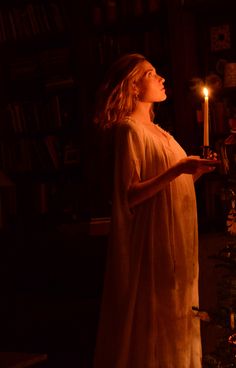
{"x":151,"y":281}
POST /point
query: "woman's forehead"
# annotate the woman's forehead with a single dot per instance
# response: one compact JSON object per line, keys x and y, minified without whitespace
{"x":145,"y":68}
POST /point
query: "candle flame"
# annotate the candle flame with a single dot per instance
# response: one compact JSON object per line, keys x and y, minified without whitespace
{"x":205,"y":92}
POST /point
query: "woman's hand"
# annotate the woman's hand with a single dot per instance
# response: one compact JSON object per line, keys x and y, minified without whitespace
{"x":196,"y":165}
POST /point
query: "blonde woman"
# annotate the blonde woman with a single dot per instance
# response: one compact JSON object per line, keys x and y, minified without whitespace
{"x":151,"y":281}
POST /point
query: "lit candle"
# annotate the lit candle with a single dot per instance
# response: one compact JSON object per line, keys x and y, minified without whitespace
{"x":206,"y":118}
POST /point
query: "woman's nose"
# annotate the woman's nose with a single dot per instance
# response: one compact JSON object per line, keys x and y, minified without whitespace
{"x":160,"y":78}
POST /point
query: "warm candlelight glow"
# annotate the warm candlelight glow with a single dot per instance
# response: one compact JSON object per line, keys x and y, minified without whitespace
{"x":206,"y":118}
{"x":205,"y":92}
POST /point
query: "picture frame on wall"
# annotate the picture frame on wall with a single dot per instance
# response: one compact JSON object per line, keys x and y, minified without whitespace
{"x":220,"y":37}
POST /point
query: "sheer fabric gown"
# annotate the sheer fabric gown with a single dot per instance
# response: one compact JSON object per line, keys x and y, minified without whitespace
{"x":151,"y":281}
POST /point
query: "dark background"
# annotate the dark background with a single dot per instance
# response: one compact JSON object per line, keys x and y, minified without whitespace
{"x":53,"y":55}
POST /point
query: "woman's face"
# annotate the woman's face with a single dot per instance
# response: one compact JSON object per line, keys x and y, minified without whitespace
{"x":150,"y":85}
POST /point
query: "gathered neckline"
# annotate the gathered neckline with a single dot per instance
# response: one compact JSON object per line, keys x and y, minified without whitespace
{"x":150,"y":127}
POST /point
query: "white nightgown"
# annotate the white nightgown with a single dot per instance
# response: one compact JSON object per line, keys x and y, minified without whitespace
{"x":151,"y":278}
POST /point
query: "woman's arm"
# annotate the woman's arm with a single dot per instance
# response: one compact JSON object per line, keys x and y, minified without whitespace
{"x":141,"y":191}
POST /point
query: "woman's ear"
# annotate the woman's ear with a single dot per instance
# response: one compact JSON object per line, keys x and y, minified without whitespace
{"x":135,"y":89}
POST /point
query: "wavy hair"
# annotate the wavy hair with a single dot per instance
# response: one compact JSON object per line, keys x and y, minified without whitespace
{"x":116,"y":98}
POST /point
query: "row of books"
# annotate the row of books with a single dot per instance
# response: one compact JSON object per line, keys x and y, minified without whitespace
{"x":50,"y":69}
{"x":104,"y":48}
{"x":30,"y":20}
{"x":45,"y":197}
{"x":39,"y":115}
{"x":44,"y":63}
{"x":33,"y":116}
{"x":26,"y":155}
{"x":110,"y":11}
{"x":38,"y":155}
{"x":41,"y":196}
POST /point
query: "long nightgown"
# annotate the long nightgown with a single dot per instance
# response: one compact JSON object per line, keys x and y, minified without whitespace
{"x":151,"y":281}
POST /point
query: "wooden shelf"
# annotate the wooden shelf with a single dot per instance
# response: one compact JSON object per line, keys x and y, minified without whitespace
{"x":20,"y":360}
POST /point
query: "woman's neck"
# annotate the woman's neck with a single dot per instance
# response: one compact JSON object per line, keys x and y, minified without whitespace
{"x":142,"y":114}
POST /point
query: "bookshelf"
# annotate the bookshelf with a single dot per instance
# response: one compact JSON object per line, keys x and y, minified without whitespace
{"x":39,"y":130}
{"x":53,"y":56}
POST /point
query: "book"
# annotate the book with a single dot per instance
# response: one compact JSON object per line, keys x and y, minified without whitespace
{"x":52,"y":143}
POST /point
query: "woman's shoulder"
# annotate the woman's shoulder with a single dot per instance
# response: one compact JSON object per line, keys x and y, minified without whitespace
{"x":128,"y":129}
{"x":127,"y":125}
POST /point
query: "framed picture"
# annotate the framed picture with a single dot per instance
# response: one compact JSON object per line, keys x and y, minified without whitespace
{"x":220,"y":37}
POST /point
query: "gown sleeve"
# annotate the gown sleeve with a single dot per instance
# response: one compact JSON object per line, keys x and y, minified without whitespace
{"x":128,"y":163}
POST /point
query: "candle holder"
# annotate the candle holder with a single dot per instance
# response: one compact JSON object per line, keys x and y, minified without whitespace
{"x":206,"y":152}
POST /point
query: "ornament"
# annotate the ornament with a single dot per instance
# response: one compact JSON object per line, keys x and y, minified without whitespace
{"x":231,"y":219}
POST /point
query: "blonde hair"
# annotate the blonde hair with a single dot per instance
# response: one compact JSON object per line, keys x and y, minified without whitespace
{"x":116,"y":98}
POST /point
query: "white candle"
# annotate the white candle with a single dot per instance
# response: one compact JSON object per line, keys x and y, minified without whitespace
{"x":206,"y":118}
